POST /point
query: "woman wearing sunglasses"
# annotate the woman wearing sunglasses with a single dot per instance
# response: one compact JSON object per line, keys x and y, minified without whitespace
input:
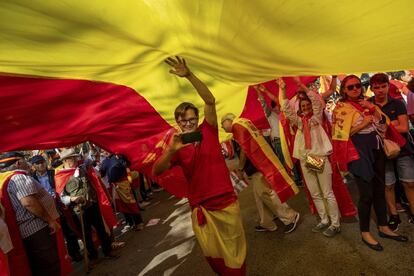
{"x":358,"y":149}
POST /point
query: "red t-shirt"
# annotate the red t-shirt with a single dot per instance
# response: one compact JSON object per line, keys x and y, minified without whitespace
{"x":204,"y":167}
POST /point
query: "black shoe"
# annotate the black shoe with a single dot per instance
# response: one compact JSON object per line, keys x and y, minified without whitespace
{"x":262,"y":229}
{"x":376,"y":247}
{"x":399,"y":238}
{"x":292,"y":226}
{"x":393,"y":222}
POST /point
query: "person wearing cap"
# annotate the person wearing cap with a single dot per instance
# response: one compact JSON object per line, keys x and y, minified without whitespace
{"x":268,"y":203}
{"x":31,"y":216}
{"x":215,"y":215}
{"x":77,"y":187}
{"x":46,"y":178}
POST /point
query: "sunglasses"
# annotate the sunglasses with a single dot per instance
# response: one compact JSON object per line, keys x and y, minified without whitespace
{"x":352,"y":86}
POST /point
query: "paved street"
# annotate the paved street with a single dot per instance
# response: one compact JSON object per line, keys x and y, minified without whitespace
{"x":169,"y":248}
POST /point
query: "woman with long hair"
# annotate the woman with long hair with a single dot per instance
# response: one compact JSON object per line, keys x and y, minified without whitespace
{"x":311,"y":141}
{"x":357,"y":125}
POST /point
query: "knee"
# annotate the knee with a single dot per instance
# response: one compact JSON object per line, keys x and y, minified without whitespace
{"x":389,"y":188}
{"x":408,"y":185}
{"x":315,"y":194}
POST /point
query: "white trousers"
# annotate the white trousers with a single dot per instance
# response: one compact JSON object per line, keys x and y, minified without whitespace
{"x":322,"y":192}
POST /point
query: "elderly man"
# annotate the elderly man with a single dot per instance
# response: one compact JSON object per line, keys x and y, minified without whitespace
{"x":31,"y":217}
{"x":78,"y":190}
{"x":46,"y":178}
{"x":268,"y":203}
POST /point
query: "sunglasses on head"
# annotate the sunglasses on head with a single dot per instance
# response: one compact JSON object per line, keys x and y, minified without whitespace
{"x":351,"y":86}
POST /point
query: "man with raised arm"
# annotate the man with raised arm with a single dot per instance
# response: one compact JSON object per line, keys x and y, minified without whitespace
{"x":215,"y":215}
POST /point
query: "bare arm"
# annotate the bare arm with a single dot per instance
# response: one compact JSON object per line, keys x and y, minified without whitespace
{"x":179,"y":68}
{"x":32,"y":204}
{"x":260,"y":90}
{"x":286,"y":108}
{"x":300,"y":84}
{"x":331,"y":89}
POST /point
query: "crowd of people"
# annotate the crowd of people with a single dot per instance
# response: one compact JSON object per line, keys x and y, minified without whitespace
{"x":332,"y":134}
{"x":57,"y":201}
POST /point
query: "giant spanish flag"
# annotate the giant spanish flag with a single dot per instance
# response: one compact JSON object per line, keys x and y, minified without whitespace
{"x":75,"y":70}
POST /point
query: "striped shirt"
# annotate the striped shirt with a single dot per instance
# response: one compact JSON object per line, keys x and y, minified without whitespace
{"x":20,"y":186}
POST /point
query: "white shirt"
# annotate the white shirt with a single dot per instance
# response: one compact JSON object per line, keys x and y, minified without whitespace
{"x":321,"y":144}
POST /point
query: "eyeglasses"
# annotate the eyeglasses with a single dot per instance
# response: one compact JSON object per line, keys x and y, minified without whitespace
{"x":351,"y":86}
{"x":190,"y":121}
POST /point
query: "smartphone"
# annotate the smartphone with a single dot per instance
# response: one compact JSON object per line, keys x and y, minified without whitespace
{"x":191,"y":137}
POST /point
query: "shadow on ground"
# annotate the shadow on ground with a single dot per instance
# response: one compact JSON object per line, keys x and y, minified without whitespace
{"x":169,"y":248}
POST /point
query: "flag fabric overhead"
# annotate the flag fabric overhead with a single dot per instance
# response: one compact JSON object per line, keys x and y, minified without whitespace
{"x":100,"y":63}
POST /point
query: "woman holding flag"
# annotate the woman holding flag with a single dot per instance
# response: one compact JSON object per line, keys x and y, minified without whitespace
{"x":357,"y":125}
{"x":312,"y":143}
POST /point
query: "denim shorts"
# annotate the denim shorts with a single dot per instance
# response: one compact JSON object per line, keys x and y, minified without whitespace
{"x":405,"y":169}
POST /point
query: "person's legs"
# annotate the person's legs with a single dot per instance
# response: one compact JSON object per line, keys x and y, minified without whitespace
{"x":364,"y":209}
{"x":42,"y":252}
{"x":325,"y":182}
{"x":87,"y":222}
{"x":389,"y":187}
{"x":100,"y":229}
{"x":129,"y":219}
{"x":266,"y":218}
{"x":71,"y":239}
{"x":271,"y":200}
{"x":405,"y":167}
{"x":378,"y":184}
{"x":313,"y":187}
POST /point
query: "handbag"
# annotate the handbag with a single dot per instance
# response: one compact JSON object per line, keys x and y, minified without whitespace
{"x":391,"y":148}
{"x":315,"y":163}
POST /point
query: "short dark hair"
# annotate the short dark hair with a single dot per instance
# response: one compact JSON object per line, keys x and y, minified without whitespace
{"x":182,"y":108}
{"x":379,"y":78}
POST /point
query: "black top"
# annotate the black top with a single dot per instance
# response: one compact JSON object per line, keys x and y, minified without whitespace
{"x":394,"y":108}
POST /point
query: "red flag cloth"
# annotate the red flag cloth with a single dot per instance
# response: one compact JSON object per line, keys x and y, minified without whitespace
{"x":393,"y":134}
{"x":262,"y":156}
{"x":62,"y":177}
{"x":252,"y":108}
{"x":18,"y":255}
{"x":41,"y":113}
{"x":4,"y":265}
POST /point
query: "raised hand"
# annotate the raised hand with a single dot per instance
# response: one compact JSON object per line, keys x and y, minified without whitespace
{"x":179,"y":66}
{"x":281,"y":83}
{"x":261,"y":88}
{"x":176,"y":143}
